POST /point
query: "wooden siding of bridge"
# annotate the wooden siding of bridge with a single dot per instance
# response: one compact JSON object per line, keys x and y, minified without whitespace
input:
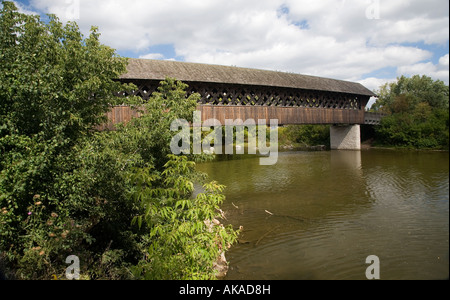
{"x":284,"y":115}
{"x":119,"y":114}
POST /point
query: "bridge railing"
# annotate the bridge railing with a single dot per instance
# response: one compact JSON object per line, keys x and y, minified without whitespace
{"x":371,"y":118}
{"x":284,"y":115}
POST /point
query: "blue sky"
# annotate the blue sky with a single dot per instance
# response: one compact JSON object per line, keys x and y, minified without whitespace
{"x":367,"y":41}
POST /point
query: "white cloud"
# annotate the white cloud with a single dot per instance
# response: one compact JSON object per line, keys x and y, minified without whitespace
{"x":444,"y":61}
{"x":439,"y":71}
{"x":152,"y":56}
{"x":22,"y":8}
{"x":420,"y":29}
{"x":374,"y":84}
{"x":332,"y":38}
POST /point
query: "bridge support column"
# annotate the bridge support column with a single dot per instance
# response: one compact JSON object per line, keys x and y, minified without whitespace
{"x":345,"y":137}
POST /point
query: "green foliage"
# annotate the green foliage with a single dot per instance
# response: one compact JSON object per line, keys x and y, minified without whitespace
{"x":182,"y":242}
{"x":55,"y":86}
{"x":406,"y":93}
{"x":417,"y":110}
{"x":150,"y":134}
{"x":52,"y":80}
{"x":66,"y":189}
{"x":305,"y":135}
{"x":173,"y":234}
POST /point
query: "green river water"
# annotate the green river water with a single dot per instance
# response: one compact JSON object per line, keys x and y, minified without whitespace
{"x":319,"y":215}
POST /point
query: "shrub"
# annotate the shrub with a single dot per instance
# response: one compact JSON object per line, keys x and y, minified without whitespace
{"x":66,"y":189}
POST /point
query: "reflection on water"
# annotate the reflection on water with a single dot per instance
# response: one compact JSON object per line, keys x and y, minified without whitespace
{"x":318,"y":215}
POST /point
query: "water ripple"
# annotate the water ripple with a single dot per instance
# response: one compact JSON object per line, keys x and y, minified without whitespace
{"x":331,"y":211}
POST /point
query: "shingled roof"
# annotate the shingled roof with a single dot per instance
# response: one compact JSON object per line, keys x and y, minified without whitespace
{"x":195,"y":72}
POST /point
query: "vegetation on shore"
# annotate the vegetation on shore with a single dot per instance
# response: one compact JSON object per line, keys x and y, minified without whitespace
{"x":303,"y":136}
{"x":416,"y":117}
{"x":417,"y":114}
{"x":118,"y":200}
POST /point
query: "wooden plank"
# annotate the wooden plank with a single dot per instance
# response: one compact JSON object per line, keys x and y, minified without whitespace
{"x":285,"y":115}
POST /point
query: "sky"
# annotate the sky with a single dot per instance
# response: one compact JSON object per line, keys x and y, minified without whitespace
{"x":367,"y":41}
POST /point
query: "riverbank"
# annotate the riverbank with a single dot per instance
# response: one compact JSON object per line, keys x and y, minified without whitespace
{"x":372,"y":144}
{"x":302,"y":147}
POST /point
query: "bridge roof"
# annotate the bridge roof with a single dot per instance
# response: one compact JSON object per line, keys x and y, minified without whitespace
{"x":195,"y":72}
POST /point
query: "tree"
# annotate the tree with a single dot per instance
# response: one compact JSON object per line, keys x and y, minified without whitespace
{"x":417,"y":110}
{"x":306,"y":135}
{"x":66,"y":189}
{"x":55,"y":87}
{"x":177,"y":238}
{"x":53,"y":81}
{"x":414,"y":90}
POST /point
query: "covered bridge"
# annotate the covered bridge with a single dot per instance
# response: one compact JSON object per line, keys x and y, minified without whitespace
{"x":243,"y":93}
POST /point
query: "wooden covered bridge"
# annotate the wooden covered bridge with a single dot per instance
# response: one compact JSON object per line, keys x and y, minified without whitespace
{"x":242,"y":93}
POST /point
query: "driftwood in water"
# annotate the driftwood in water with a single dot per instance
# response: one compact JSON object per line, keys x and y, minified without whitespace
{"x":297,"y":218}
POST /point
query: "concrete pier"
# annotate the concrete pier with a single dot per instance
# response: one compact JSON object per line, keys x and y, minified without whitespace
{"x":345,"y":137}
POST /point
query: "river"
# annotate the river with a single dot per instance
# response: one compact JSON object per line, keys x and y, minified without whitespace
{"x":319,"y":215}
